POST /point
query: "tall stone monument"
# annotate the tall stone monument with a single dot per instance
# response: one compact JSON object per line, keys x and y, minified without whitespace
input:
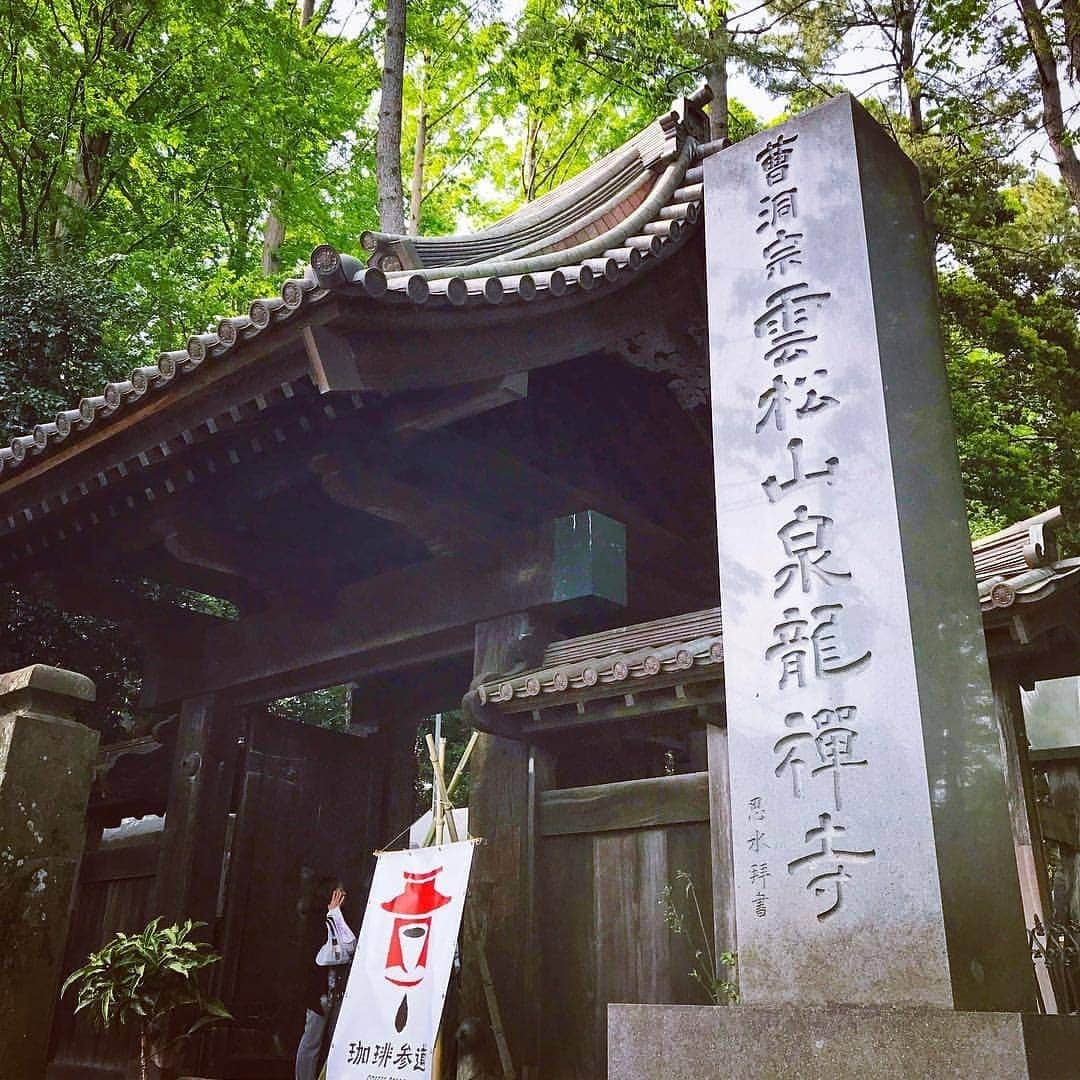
{"x":873,"y":852}
{"x":875,"y":879}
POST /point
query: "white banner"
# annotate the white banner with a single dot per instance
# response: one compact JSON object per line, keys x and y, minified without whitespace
{"x":390,"y":1015}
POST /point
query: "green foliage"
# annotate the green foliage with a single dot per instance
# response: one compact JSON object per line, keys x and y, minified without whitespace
{"x":142,"y":978}
{"x":34,"y":632}
{"x":682,"y":913}
{"x":1010,"y":294}
{"x":62,"y":332}
{"x":328,"y":708}
{"x":457,"y":732}
{"x":158,"y":135}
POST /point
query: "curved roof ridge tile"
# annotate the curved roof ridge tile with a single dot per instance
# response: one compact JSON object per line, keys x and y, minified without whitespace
{"x":653,"y":203}
{"x":583,"y":198}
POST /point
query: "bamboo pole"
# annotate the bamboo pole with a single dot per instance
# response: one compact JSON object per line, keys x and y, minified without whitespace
{"x":444,"y":798}
{"x":454,"y":780}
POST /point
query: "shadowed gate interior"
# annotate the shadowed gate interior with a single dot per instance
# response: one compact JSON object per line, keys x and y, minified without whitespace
{"x":280,"y":805}
{"x":512,"y":509}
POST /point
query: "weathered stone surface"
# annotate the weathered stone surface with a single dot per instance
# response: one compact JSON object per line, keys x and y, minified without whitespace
{"x":51,"y":680}
{"x":757,"y":1042}
{"x":873,"y":862}
{"x":45,"y":768}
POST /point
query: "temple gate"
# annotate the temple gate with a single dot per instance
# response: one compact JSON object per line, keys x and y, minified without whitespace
{"x":475,"y":465}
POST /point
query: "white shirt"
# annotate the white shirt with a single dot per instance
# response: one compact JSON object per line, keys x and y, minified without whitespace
{"x":340,"y":941}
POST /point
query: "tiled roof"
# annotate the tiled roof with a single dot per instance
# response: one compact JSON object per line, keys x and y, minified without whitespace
{"x":1017,"y":565}
{"x":616,"y":659}
{"x":618,"y":218}
{"x":1020,"y":564}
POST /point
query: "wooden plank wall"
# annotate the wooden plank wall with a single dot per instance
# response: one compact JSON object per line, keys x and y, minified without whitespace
{"x":1059,"y":813}
{"x":115,"y":892}
{"x":601,"y":921}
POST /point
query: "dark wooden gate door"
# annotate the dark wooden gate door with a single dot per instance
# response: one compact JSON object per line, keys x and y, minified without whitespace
{"x":115,"y":892}
{"x":604,"y":856}
{"x":311,"y":802}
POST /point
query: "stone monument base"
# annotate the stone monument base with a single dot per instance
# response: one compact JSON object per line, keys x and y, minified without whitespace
{"x":759,"y":1042}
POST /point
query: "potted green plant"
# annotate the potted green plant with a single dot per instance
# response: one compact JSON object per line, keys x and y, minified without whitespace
{"x":142,"y":979}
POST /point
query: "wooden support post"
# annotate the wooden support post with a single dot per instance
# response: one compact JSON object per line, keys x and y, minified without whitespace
{"x":720,"y":834}
{"x":1023,"y":815}
{"x":501,"y":893}
{"x":197,"y":814}
{"x":540,"y":777}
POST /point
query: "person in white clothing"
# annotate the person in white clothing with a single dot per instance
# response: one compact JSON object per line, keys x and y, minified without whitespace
{"x":325,"y":989}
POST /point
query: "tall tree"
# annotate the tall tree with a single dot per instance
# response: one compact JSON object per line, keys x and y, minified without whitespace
{"x":274,"y":227}
{"x":455,"y":48}
{"x":1040,"y":22}
{"x":388,"y":147}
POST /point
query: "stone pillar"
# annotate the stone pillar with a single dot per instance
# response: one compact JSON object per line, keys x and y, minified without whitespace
{"x":873,"y":854}
{"x":46,"y":760}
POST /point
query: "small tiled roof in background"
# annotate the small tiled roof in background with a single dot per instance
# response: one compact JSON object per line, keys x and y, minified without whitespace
{"x":620,"y":217}
{"x":1020,"y":564}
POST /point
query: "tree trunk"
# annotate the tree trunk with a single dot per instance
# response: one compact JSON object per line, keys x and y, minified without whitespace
{"x":908,"y":76}
{"x":1071,"y":10}
{"x":528,"y":158}
{"x":717,"y":77}
{"x":92,"y":147}
{"x":274,"y":228}
{"x":273,"y":238}
{"x":82,"y":189}
{"x":419,"y":152}
{"x":388,"y":145}
{"x":416,"y":195}
{"x":1053,"y":114}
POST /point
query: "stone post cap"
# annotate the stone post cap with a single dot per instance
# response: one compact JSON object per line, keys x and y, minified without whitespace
{"x":43,"y":679}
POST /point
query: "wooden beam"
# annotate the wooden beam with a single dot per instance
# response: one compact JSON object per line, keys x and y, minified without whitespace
{"x":154,"y":619}
{"x":1024,"y":817}
{"x":663,"y":701}
{"x":231,"y":381}
{"x":413,"y":692}
{"x":218,"y":477}
{"x":721,"y":838}
{"x":399,"y":612}
{"x":332,"y":360}
{"x":200,"y":544}
{"x":139,"y":860}
{"x":431,"y":411}
{"x":443,"y":526}
{"x":685,"y":567}
{"x":506,"y":777}
{"x":631,"y":804}
{"x":492,"y":342}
